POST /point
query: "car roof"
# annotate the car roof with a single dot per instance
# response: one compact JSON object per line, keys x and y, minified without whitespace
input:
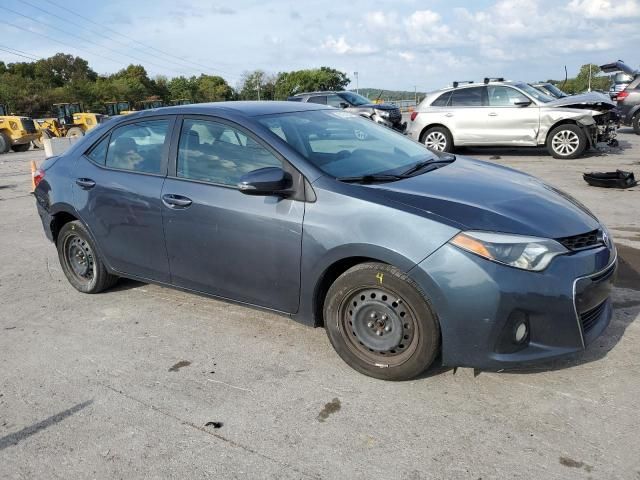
{"x":480,"y":84}
{"x":325,"y":92}
{"x":245,"y":108}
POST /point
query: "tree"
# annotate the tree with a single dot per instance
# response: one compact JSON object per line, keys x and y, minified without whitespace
{"x":256,"y":84}
{"x":323,"y":78}
{"x":581,"y":83}
{"x":212,"y":88}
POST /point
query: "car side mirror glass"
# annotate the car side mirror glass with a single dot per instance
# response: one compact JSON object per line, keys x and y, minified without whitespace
{"x":522,"y":103}
{"x":266,"y":181}
{"x":344,"y":105}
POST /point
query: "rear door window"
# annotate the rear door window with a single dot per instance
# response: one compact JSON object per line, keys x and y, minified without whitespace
{"x":138,"y":146}
{"x":468,"y":97}
{"x":321,"y":99}
{"x":500,"y":96}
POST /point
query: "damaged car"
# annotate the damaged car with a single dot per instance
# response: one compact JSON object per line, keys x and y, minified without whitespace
{"x":622,"y":75}
{"x":513,"y":114}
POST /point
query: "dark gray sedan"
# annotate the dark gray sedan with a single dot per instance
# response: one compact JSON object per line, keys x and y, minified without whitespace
{"x":400,"y":253}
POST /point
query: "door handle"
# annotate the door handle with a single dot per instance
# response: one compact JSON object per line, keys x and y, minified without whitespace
{"x":85,"y":183}
{"x":493,"y":114}
{"x":448,"y":114}
{"x":176,"y":201}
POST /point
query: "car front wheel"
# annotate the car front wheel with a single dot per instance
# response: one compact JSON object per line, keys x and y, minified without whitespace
{"x":80,"y":261}
{"x":438,"y":139}
{"x":380,"y":323}
{"x":566,"y":142}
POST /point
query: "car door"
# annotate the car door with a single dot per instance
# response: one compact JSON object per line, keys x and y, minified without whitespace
{"x":117,"y":193}
{"x":512,"y":117}
{"x":219,"y":240}
{"x":465,"y":115}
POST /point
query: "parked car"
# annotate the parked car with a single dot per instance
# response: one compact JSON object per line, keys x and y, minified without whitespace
{"x":507,"y":113}
{"x":385,"y":114}
{"x":629,"y":105}
{"x":550,"y":89}
{"x":622,"y":76}
{"x":401,"y":253}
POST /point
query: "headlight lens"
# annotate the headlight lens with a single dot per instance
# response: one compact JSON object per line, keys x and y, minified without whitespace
{"x":527,"y":253}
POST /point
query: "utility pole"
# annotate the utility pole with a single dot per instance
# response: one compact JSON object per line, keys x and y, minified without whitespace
{"x":355,"y":74}
{"x":415,"y":94}
{"x":589,"y":89}
{"x":258,"y":78}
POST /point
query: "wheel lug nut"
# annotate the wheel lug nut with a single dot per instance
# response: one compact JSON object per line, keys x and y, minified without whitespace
{"x":384,"y":317}
{"x":370,"y":324}
{"x":379,"y":333}
{"x":373,"y":315}
{"x":387,"y":328}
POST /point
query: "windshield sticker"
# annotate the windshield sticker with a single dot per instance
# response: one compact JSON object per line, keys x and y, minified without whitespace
{"x":360,"y":135}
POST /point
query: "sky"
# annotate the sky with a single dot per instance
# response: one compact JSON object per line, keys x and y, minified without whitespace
{"x":399,"y":45}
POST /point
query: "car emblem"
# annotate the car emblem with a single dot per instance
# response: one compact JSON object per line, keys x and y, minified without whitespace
{"x":604,"y":237}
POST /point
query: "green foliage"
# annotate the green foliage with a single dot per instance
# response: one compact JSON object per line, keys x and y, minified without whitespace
{"x":580,"y":83}
{"x":323,"y":78}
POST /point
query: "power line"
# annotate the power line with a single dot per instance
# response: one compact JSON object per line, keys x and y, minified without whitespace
{"x":8,"y":50}
{"x":142,"y":44}
{"x":110,"y":37}
{"x":87,"y":40}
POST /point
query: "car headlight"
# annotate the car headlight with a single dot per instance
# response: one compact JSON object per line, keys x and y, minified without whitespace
{"x":382,"y":113}
{"x":519,"y":251}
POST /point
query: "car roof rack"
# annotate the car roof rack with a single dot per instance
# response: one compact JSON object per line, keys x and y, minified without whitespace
{"x":456,"y":83}
{"x":493,"y":79}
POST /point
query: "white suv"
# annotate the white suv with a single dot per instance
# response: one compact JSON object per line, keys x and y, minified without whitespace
{"x":506,"y":113}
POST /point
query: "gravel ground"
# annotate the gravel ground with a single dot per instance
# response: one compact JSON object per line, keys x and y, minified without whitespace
{"x":148,"y":382}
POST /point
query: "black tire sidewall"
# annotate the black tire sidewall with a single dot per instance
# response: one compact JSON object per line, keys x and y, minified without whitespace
{"x":582,"y":146}
{"x":635,"y":123}
{"x":102,"y":279}
{"x":445,"y":131}
{"x":364,"y":275}
{"x":21,"y":148}
{"x":5,"y":143}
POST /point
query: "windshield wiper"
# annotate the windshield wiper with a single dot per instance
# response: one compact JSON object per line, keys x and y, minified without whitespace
{"x":372,"y":178}
{"x":423,"y":164}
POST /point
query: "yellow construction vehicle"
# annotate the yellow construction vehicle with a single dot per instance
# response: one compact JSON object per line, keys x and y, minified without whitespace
{"x":149,"y":104}
{"x":70,"y":121}
{"x":118,"y":108}
{"x":181,"y":101}
{"x":16,"y":133}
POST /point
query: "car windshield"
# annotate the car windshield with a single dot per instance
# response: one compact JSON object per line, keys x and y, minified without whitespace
{"x":534,"y":92}
{"x":342,"y":144}
{"x":355,"y":99}
{"x":554,"y":90}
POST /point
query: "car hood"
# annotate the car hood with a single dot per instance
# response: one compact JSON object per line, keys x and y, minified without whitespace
{"x":379,"y":106}
{"x":592,"y":100}
{"x":475,"y":195}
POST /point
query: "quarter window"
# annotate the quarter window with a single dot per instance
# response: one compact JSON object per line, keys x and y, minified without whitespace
{"x":442,"y":100}
{"x":217,"y":153}
{"x":467,"y":97}
{"x":336,"y":101}
{"x":504,"y":96}
{"x":138,"y":146}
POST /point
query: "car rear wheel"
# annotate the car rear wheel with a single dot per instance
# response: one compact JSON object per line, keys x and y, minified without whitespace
{"x":635,"y":123}
{"x":566,"y":142}
{"x":80,"y":261}
{"x":439,"y":139}
{"x":21,"y":148}
{"x":5,"y":143}
{"x":75,"y":132}
{"x":380,"y":323}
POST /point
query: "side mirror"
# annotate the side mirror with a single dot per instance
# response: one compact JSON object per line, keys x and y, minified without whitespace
{"x":522,"y":103}
{"x":266,"y":181}
{"x":344,"y":105}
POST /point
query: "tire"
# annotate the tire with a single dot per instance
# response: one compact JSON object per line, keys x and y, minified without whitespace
{"x":5,"y":143}
{"x":380,"y":323}
{"x":80,"y":261}
{"x":21,"y":148}
{"x":39,"y":142}
{"x":438,"y":139}
{"x":566,"y":142}
{"x":635,"y":123}
{"x":75,"y":132}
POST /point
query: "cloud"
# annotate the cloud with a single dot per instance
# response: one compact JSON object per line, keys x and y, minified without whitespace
{"x":605,"y":8}
{"x":408,"y":56}
{"x":342,"y":47}
{"x":223,"y":10}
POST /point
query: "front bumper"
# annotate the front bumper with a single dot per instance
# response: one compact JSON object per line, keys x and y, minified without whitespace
{"x":479,"y":303}
{"x":397,"y":126}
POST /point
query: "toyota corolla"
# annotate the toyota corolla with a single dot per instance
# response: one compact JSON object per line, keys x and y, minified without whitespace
{"x":402,"y":254}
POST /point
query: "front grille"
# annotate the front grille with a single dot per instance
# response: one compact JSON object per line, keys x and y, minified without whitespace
{"x":589,"y":318}
{"x":394,"y":115}
{"x":582,"y":241}
{"x":28,"y":125}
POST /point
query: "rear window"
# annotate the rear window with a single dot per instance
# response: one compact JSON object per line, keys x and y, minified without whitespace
{"x":467,"y":97}
{"x":321,"y":99}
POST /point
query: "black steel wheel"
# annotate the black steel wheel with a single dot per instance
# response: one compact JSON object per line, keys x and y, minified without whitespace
{"x":23,"y":147}
{"x":380,"y":323}
{"x":80,"y":261}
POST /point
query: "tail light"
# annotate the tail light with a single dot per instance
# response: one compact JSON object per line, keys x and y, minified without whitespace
{"x":38,"y":175}
{"x":414,"y":114}
{"x":622,"y":95}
